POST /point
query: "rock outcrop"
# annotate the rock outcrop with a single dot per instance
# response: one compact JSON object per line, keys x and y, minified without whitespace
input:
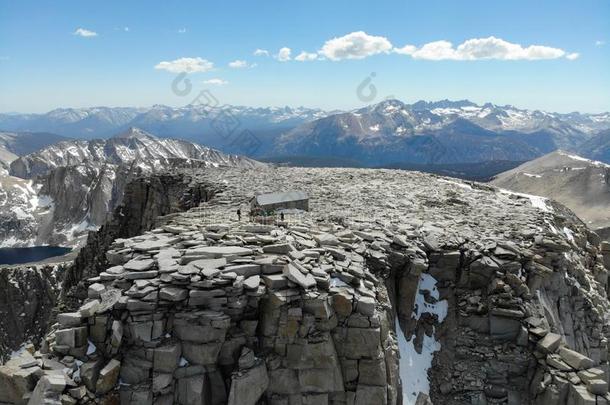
{"x":31,"y":292}
{"x":397,"y":288}
{"x":28,"y":299}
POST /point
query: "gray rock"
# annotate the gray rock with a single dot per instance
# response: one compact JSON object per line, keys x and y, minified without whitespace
{"x":140,"y":275}
{"x":280,"y":248}
{"x":173,"y":294}
{"x":215,"y":252}
{"x":549,"y":343}
{"x":69,"y":319}
{"x":139,"y":265}
{"x":247,"y":387}
{"x":89,"y":309}
{"x":575,"y":359}
{"x":252,"y":283}
{"x":245,"y":270}
{"x":108,"y":377}
{"x":578,"y":395}
{"x":366,"y":306}
{"x":166,"y":358}
{"x":95,"y":290}
{"x":72,"y":337}
{"x":89,"y":373}
{"x":275,"y":281}
{"x":296,"y":276}
{"x":48,"y":390}
{"x":367,"y":395}
{"x":15,"y":382}
{"x":201,"y":353}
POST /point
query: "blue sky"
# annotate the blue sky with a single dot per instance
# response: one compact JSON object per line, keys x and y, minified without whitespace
{"x":46,"y":63}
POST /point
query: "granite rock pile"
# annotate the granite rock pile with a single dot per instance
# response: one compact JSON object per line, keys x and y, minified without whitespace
{"x":510,"y":290}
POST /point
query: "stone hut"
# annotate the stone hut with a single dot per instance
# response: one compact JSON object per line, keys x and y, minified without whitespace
{"x":280,"y":201}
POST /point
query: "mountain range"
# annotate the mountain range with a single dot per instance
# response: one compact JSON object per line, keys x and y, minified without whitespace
{"x":215,"y":126}
{"x":394,"y":133}
{"x":57,"y":194}
{"x":390,"y":133}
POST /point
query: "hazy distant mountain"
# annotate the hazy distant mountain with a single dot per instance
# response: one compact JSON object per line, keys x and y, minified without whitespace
{"x":57,"y":194}
{"x":597,"y":148}
{"x":581,"y":184}
{"x":445,"y":132}
{"x":15,"y":144}
{"x":73,"y":122}
{"x":218,"y":126}
{"x":390,"y":132}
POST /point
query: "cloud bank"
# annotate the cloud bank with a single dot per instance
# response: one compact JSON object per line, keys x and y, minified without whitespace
{"x":360,"y":45}
{"x":483,"y":49}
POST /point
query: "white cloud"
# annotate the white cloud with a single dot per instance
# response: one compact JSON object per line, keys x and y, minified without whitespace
{"x":437,"y":50}
{"x":240,"y":64}
{"x":573,"y":56}
{"x":261,"y":52}
{"x":216,"y":82}
{"x":483,"y":48}
{"x":181,"y":30}
{"x":356,"y":45}
{"x":600,"y":43}
{"x":81,"y":32}
{"x":283,"y":54}
{"x":306,"y":56}
{"x":126,"y":29}
{"x":406,"y":50}
{"x":188,"y":65}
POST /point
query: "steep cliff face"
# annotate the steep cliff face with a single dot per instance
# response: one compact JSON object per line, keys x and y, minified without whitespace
{"x":145,"y":199}
{"x":28,"y":298}
{"x":397,"y":288}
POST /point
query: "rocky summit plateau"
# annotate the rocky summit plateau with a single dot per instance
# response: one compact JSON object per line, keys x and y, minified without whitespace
{"x":395,"y":288}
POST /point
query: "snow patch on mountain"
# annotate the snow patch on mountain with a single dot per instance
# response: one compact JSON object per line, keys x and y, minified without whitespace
{"x":582,"y":159}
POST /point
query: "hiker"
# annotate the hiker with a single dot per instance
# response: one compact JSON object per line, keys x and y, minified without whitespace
{"x":239,"y":214}
{"x":282,"y":216}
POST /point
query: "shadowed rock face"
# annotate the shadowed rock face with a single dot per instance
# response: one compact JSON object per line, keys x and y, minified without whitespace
{"x":29,"y":295}
{"x":396,"y":287}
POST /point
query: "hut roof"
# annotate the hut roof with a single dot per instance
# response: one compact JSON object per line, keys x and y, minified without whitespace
{"x":281,"y":197}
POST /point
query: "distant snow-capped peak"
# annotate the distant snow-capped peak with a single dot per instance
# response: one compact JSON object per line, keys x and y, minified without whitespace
{"x":424,"y":116}
{"x":134,"y":132}
{"x":133,"y":146}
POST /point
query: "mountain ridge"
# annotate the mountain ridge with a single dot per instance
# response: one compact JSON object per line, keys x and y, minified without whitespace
{"x":59,"y":193}
{"x":581,"y":184}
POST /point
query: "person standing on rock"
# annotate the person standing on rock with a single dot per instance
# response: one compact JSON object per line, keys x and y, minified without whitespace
{"x":239,"y":214}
